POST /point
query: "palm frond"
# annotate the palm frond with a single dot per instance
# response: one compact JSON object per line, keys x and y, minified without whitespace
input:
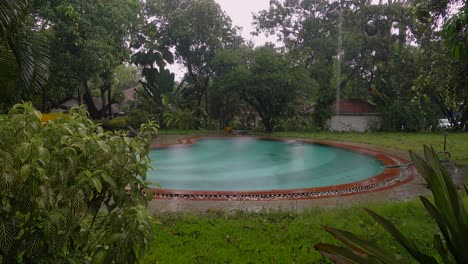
{"x":10,"y":13}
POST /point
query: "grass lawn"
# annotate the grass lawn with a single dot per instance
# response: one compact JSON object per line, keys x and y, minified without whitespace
{"x":278,"y":237}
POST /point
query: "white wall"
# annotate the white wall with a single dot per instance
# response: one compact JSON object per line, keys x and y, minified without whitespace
{"x":358,"y":123}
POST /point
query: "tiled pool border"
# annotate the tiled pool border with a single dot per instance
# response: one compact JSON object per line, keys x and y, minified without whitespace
{"x":389,"y":178}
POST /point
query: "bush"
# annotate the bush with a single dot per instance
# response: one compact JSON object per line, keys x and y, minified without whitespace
{"x":292,"y":123}
{"x":138,"y":117}
{"x":116,"y":123}
{"x":401,"y":116}
{"x":70,"y":191}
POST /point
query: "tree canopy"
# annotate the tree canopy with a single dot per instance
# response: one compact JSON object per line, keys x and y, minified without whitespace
{"x":264,"y":79}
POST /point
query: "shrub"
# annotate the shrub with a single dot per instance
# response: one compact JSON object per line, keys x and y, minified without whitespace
{"x":116,"y":123}
{"x":71,"y":192}
{"x":138,"y":117}
{"x":291,"y":123}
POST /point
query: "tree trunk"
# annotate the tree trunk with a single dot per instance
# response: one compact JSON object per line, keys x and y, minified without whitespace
{"x":80,"y":97}
{"x":103,"y":101}
{"x":109,"y":99}
{"x":88,"y":99}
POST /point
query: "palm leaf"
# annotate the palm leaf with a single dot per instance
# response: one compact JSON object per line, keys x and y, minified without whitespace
{"x":405,"y":242}
{"x":363,"y":247}
{"x":344,"y":255}
{"x":10,"y":12}
{"x":24,"y":53}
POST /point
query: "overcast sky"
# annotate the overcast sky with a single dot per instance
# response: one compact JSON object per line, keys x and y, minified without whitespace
{"x":240,"y":12}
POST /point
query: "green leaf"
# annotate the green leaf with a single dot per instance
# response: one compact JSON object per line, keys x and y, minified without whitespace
{"x":97,"y":184}
{"x":99,"y":256}
{"x":440,"y":220}
{"x":103,"y":146}
{"x":24,"y":172}
{"x":406,"y":243}
{"x":457,"y":51}
{"x":165,"y":99}
{"x":24,"y":151}
{"x":439,"y":246}
{"x":344,"y":255}
{"x":108,"y":179}
{"x":44,"y":154}
{"x":362,"y":246}
{"x":6,"y":236}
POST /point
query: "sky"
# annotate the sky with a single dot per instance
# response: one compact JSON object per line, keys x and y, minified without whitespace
{"x":240,"y":12}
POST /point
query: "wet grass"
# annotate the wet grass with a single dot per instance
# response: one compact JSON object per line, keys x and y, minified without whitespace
{"x":278,"y":236}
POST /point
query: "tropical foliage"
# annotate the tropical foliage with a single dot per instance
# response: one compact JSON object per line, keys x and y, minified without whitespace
{"x":71,"y":192}
{"x":448,"y":211}
{"x":24,"y":54}
{"x":407,"y":58}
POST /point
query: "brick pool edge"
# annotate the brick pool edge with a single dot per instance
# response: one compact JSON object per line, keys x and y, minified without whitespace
{"x":389,"y":178}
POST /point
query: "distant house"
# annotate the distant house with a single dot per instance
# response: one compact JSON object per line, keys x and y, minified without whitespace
{"x":353,"y":115}
{"x":65,"y":106}
{"x":117,"y":108}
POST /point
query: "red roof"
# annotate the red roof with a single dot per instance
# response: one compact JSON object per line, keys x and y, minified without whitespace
{"x":355,"y":106}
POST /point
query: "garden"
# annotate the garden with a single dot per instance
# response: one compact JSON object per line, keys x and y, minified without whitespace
{"x":91,"y":90}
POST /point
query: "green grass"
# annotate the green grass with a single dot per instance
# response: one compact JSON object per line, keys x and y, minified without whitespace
{"x":457,"y":143}
{"x":278,"y":237}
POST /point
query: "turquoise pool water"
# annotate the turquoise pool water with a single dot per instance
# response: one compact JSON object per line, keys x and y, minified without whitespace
{"x":244,"y":164}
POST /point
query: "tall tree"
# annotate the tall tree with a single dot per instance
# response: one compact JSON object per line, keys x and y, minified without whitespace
{"x":348,"y":47}
{"x":196,"y":29}
{"x":444,"y":53}
{"x":89,"y":39}
{"x":265,"y":80}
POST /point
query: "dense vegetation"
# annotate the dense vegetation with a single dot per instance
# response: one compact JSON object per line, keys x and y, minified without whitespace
{"x":71,"y":192}
{"x":408,"y":58}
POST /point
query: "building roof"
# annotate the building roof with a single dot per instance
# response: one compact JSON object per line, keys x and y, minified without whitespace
{"x":129,"y":94}
{"x":354,"y":106}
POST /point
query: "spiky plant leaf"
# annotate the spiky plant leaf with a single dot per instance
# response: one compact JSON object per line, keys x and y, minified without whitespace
{"x":344,"y":255}
{"x":441,"y":222}
{"x":408,"y":244}
{"x":449,"y":211}
{"x":362,"y":246}
{"x":439,"y":246}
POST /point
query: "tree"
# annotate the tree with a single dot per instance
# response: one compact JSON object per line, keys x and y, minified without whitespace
{"x":351,"y":48}
{"x":88,"y":40}
{"x":196,"y":29}
{"x":264,"y":79}
{"x":70,"y":191}
{"x":24,"y":56}
{"x":444,"y":68}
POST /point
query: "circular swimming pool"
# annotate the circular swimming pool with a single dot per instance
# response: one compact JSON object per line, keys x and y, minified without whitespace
{"x":230,"y":168}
